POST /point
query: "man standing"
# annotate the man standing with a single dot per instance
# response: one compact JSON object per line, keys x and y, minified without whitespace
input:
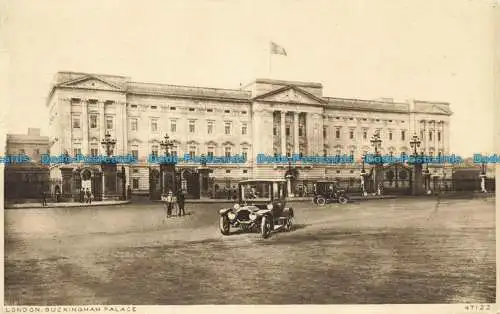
{"x":82,"y":195}
{"x":180,"y":203}
{"x":44,"y":198}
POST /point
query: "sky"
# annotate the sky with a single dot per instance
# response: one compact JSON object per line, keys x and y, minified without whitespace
{"x":421,"y":49}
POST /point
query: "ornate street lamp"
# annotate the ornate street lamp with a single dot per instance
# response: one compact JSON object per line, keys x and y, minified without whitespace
{"x":108,"y":144}
{"x":376,"y":142}
{"x":415,"y":144}
{"x":167,"y":144}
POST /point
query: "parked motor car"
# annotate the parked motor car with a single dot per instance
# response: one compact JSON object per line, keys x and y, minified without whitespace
{"x":328,"y":192}
{"x":260,"y":205}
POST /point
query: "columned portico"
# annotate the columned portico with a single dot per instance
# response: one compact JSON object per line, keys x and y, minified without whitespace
{"x":282,"y":132}
{"x":296,"y":148}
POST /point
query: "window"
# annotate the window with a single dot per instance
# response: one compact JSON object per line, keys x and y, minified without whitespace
{"x":351,"y":134}
{"x":243,"y":112}
{"x":275,"y":131}
{"x":227,"y":128}
{"x":135,"y":152}
{"x":173,"y":126}
{"x":37,"y":152}
{"x":245,"y":171}
{"x":390,"y":135}
{"x":192,"y":151}
{"x":325,"y":152}
{"x":154,"y":107}
{"x":228,"y":171}
{"x":227,"y":111}
{"x":210,"y":110}
{"x":287,"y":131}
{"x":173,"y":151}
{"x":173,"y":108}
{"x":76,"y":123}
{"x":154,"y":150}
{"x":210,"y":127}
{"x":338,"y":152}
{"x":301,"y":130}
{"x":351,"y":153}
{"x":191,"y":109}
{"x":422,"y":135}
{"x":154,"y":125}
{"x":365,"y":134}
{"x":402,"y":135}
{"x":337,"y":133}
{"x":227,"y":151}
{"x":133,"y":106}
{"x":244,"y":153}
{"x":191,"y":126}
{"x":22,"y":152}
{"x":439,"y":136}
{"x":244,"y":129}
{"x":135,"y":171}
{"x":135,"y":183}
{"x":93,"y":121}
{"x":109,"y":123}
{"x":430,"y":135}
{"x":288,"y":154}
{"x":210,"y":152}
{"x":77,"y":151}
{"x":133,"y":124}
{"x":94,"y":151}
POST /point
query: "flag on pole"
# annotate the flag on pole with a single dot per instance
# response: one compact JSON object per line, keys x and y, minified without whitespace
{"x":277,"y":49}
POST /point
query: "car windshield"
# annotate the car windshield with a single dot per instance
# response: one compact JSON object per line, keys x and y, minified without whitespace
{"x":256,"y":191}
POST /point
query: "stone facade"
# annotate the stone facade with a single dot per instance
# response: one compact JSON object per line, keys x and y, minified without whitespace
{"x":266,"y":116}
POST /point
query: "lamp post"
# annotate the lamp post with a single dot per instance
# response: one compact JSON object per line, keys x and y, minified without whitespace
{"x":289,"y":177}
{"x":167,"y":167}
{"x":415,"y":144}
{"x":377,"y":144}
{"x":108,"y":169}
{"x":417,"y":167}
{"x":363,"y":175}
{"x":482,"y":176}
{"x":427,"y":174}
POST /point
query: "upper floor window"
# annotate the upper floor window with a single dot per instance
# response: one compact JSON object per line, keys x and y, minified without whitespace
{"x":154,"y":150}
{"x":154,"y":107}
{"x":210,"y":110}
{"x":275,"y":131}
{"x":390,"y":135}
{"x":173,"y":151}
{"x":287,"y":131}
{"x":430,"y":136}
{"x":227,"y":128}
{"x":173,"y":126}
{"x":93,"y":121}
{"x":351,"y":134}
{"x":133,"y":124}
{"x":210,"y":127}
{"x":244,"y":153}
{"x":192,"y":151}
{"x":301,"y":130}
{"x":365,"y":134}
{"x":109,"y":123}
{"x":337,"y":133}
{"x":191,"y":126}
{"x":94,"y":151}
{"x":227,"y":151}
{"x":76,"y":122}
{"x":244,"y":129}
{"x":325,"y":131}
{"x":210,"y":152}
{"x":439,"y":136}
{"x":191,"y":109}
{"x":227,"y":111}
{"x":135,"y":152}
{"x":403,"y":135}
{"x":77,"y":151}
{"x":154,"y":125}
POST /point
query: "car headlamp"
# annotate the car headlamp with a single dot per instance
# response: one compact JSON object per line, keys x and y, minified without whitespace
{"x":253,"y":216}
{"x":269,"y":206}
{"x":236,"y":206}
{"x":231,"y":215}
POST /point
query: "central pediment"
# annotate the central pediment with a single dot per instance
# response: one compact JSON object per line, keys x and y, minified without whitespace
{"x":91,"y":82}
{"x":291,"y":94}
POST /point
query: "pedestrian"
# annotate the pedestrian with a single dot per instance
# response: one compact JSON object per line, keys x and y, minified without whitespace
{"x":169,"y":203}
{"x":129,"y":192}
{"x":180,"y":203}
{"x":89,"y":196}
{"x":58,"y":195}
{"x":44,"y":198}
{"x":82,"y":195}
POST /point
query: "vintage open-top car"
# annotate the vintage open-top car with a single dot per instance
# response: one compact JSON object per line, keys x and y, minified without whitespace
{"x":329,"y":192}
{"x":261,"y":205}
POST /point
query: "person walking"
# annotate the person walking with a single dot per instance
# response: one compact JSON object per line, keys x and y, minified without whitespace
{"x":180,"y":203}
{"x":89,"y":196}
{"x":169,"y":203}
{"x":44,"y":198}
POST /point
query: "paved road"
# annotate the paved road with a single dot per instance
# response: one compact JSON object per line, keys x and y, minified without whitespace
{"x":386,"y":251}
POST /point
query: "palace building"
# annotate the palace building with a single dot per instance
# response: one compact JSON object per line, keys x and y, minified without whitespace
{"x":267,"y":116}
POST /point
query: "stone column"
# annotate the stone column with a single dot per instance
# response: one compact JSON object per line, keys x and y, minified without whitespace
{"x":102,"y":129}
{"x":282,"y":132}
{"x":85,"y":127}
{"x":124,"y":129}
{"x":296,"y":132}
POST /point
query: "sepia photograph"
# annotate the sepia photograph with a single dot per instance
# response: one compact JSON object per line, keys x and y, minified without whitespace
{"x":216,"y":152}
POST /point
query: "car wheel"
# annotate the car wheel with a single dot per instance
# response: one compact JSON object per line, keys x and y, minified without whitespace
{"x":289,"y":224}
{"x":321,"y":201}
{"x":314,"y":200}
{"x":265,"y":226}
{"x":224,"y":225}
{"x":343,"y":200}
